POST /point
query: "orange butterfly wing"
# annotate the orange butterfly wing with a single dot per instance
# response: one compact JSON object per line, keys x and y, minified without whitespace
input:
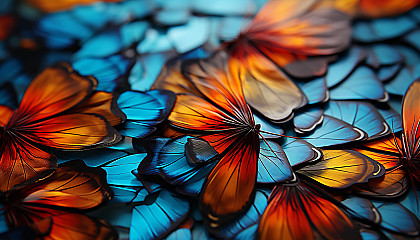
{"x":43,"y":115}
{"x":288,"y":32}
{"x":56,"y":6}
{"x":229,"y":188}
{"x":411,"y":120}
{"x":386,"y":152}
{"x":73,"y":185}
{"x":104,"y":104}
{"x":297,"y":212}
{"x":224,"y":120}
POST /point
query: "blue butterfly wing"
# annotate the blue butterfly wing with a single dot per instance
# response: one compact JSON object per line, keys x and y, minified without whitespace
{"x":175,"y":168}
{"x":146,"y":69}
{"x":412,"y":39}
{"x":361,"y":84}
{"x":108,"y":71}
{"x":155,"y":220}
{"x":316,"y":91}
{"x":397,"y":218}
{"x":119,"y":170}
{"x":385,"y":73}
{"x":362,"y":208}
{"x":231,"y":26}
{"x":268,"y":127}
{"x":382,"y":28}
{"x":273,"y":165}
{"x":186,"y":37}
{"x":220,"y":7}
{"x":102,"y":45}
{"x":307,"y":119}
{"x":146,"y":109}
{"x":404,"y":78}
{"x":342,"y":68}
{"x":92,"y":157}
{"x":392,"y":118}
{"x":171,"y":17}
{"x":332,"y":132}
{"x":383,"y":54}
{"x":152,"y":147}
{"x":61,"y":29}
{"x":362,"y":115}
{"x":299,"y":151}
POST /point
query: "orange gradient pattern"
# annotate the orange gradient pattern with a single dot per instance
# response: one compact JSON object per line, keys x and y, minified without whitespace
{"x":73,"y":185}
{"x":61,"y":5}
{"x":226,"y":122}
{"x":297,"y":212}
{"x":59,"y":109}
{"x":288,"y":32}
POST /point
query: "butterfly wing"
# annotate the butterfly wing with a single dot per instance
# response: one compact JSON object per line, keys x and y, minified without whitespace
{"x":411,"y":122}
{"x":298,"y":212}
{"x":394,"y":182}
{"x":342,"y":168}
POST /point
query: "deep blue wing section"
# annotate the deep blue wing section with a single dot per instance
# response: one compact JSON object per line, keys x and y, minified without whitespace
{"x":299,"y":151}
{"x":362,"y":115}
{"x":144,"y":110}
{"x":307,"y":119}
{"x":119,"y":170}
{"x":361,"y":84}
{"x":332,"y":132}
{"x":110,"y":72}
{"x":362,"y":208}
{"x":273,"y":165}
{"x":397,"y":218}
{"x":176,"y":169}
{"x":342,"y":68}
{"x":154,"y":220}
{"x":399,"y":84}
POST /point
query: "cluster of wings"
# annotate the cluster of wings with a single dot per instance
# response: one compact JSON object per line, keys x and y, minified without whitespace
{"x":242,"y":119}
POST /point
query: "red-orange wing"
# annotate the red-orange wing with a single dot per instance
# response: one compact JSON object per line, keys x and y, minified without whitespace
{"x":47,"y":114}
{"x":7,"y":23}
{"x":219,"y":81}
{"x":78,"y":226}
{"x":21,"y":161}
{"x":411,"y":124}
{"x":73,"y":185}
{"x":62,"y":5}
{"x":230,"y":186}
{"x":5,"y":115}
{"x":53,"y":91}
{"x":288,"y":32}
{"x":104,"y":104}
{"x":298,"y":212}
